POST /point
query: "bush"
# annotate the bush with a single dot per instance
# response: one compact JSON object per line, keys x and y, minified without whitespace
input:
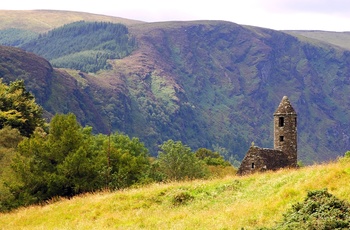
{"x":320,"y":210}
{"x":347,"y":154}
{"x":181,"y":198}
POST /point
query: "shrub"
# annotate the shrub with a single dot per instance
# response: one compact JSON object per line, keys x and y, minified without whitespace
{"x":347,"y":154}
{"x":320,"y":210}
{"x":181,"y":198}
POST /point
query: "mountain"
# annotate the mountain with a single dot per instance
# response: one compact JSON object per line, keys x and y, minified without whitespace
{"x":206,"y":83}
{"x":54,"y":89}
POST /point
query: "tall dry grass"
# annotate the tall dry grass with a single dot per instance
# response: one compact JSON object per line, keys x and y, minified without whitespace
{"x":230,"y":203}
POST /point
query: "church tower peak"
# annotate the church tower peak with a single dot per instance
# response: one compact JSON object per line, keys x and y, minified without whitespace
{"x":285,"y":107}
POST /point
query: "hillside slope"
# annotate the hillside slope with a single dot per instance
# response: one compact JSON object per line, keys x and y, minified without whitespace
{"x":340,"y":39}
{"x":220,"y":83}
{"x":40,"y":21}
{"x":231,"y":203}
{"x":54,"y":89}
{"x":213,"y":83}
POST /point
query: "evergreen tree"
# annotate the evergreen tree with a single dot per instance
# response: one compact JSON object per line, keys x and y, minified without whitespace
{"x":18,"y":108}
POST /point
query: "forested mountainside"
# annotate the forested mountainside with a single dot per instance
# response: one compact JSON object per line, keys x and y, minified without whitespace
{"x":84,"y":46}
{"x":206,"y":83}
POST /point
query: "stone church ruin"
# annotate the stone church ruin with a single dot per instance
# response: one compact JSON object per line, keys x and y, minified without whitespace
{"x":284,"y":153}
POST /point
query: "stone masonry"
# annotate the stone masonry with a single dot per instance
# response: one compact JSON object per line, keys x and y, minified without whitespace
{"x":284,"y":153}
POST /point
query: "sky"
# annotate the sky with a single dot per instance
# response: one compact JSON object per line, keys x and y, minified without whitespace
{"x":328,"y":15}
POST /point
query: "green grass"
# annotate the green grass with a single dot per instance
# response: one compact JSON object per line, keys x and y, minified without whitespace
{"x":230,"y":203}
{"x":165,"y":92}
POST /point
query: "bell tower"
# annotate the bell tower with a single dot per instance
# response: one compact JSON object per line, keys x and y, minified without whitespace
{"x":285,"y":130}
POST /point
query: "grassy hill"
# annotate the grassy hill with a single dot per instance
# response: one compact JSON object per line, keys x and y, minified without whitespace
{"x":40,"y":21}
{"x":230,"y":203}
{"x":340,"y":39}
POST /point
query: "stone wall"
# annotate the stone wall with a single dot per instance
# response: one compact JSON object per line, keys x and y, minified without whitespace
{"x":262,"y":159}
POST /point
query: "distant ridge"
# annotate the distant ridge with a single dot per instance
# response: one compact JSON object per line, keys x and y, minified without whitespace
{"x":340,"y":39}
{"x":49,"y":19}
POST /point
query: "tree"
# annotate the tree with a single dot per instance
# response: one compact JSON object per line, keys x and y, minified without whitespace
{"x":127,"y":159}
{"x":233,"y":159}
{"x":18,"y":108}
{"x":177,"y":162}
{"x":70,"y":160}
{"x":211,"y":158}
{"x":61,"y":163}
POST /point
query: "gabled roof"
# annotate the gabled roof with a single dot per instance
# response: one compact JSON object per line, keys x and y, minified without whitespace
{"x":285,"y":107}
{"x":263,"y":159}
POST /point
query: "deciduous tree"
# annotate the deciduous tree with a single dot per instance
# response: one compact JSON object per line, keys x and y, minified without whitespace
{"x":178,"y":162}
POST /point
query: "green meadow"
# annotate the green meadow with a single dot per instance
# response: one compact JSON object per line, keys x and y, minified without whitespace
{"x":232,"y":202}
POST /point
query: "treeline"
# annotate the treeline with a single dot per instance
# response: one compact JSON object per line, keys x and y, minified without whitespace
{"x":84,"y":46}
{"x":16,"y":37}
{"x":63,"y":158}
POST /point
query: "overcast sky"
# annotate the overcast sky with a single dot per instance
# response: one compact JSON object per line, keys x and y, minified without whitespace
{"x":331,"y":15}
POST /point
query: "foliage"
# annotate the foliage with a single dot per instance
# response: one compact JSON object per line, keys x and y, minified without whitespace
{"x":320,"y":210}
{"x":15,"y":37}
{"x":61,"y":163}
{"x":210,"y":157}
{"x":88,"y":61}
{"x":181,"y":198}
{"x":127,"y":159}
{"x":300,"y":163}
{"x":84,"y":46}
{"x":9,"y":138}
{"x":231,"y":158}
{"x":347,"y":154}
{"x":70,"y":160}
{"x":217,"y":165}
{"x":18,"y":108}
{"x":177,"y":162}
